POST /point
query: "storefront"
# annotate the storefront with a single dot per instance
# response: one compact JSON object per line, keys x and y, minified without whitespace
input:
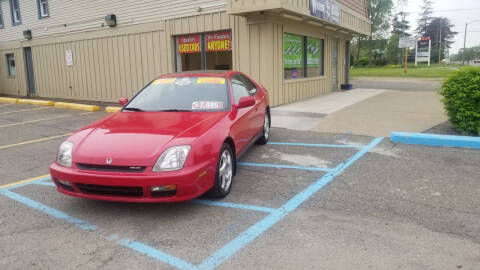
{"x":204,"y":51}
{"x":296,"y":49}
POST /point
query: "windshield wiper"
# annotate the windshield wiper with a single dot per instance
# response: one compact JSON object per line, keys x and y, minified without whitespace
{"x":174,"y":110}
{"x":133,"y":109}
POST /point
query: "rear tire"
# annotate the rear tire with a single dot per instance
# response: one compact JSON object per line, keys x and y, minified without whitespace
{"x":266,"y":129}
{"x":224,"y":173}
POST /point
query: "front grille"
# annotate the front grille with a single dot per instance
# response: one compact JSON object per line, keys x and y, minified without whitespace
{"x":124,"y":191}
{"x":110,"y":168}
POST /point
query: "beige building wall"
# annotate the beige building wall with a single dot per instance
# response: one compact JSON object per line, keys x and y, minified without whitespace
{"x":70,"y":16}
{"x":16,"y":85}
{"x":111,"y":63}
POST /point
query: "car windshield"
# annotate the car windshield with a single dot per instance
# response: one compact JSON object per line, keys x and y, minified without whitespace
{"x":182,"y":94}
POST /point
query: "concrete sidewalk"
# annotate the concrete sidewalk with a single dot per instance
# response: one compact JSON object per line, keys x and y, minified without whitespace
{"x":306,"y":114}
{"x":363,"y":112}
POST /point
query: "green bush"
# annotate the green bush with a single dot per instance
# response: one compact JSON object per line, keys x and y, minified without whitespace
{"x":380,"y":62}
{"x":363,"y":61}
{"x":461,"y":98}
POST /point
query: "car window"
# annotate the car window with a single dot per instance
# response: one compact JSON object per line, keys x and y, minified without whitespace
{"x":182,"y":94}
{"x":239,"y":89}
{"x":252,"y":90}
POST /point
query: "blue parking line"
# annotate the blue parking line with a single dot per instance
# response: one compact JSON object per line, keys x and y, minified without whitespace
{"x":317,"y":145}
{"x":27,"y":183}
{"x":260,"y":227}
{"x":157,"y":254}
{"x":48,"y":210}
{"x":235,"y":205}
{"x":279,"y":166}
{"x":45,"y":183}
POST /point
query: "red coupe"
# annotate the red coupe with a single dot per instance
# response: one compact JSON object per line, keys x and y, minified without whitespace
{"x":178,"y":138}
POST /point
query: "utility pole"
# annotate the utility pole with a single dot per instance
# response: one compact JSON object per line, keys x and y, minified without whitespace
{"x":440,"y":42}
{"x":465,"y":41}
{"x":464,"y":44}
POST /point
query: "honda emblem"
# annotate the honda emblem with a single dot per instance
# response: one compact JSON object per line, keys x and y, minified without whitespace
{"x":108,"y":161}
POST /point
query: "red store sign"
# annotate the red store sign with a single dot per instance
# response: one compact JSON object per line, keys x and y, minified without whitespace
{"x":189,"y":44}
{"x":219,"y":41}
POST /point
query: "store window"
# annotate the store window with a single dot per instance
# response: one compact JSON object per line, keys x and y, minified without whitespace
{"x":207,"y":51}
{"x":11,"y":65}
{"x":293,"y":56}
{"x":314,"y":57}
{"x":302,"y":56}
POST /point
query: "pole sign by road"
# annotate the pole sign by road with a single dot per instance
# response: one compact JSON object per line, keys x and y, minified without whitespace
{"x":407,"y":42}
{"x":423,"y":50}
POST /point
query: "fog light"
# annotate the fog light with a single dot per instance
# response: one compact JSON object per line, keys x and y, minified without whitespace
{"x":64,"y":182}
{"x":163,"y":191}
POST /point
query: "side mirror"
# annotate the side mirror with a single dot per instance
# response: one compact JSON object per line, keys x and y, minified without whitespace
{"x":123,"y":101}
{"x":245,"y":102}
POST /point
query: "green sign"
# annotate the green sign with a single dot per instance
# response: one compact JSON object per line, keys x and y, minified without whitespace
{"x":313,"y":52}
{"x":292,"y":51}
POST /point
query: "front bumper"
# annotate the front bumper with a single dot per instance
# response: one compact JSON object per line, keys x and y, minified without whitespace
{"x":190,"y":182}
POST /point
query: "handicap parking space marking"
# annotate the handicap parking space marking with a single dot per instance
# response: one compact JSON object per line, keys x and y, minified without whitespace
{"x":263,"y":225}
{"x":35,"y":141}
{"x":222,"y":254}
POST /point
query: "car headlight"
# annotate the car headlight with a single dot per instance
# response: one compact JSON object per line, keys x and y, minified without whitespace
{"x":64,"y":156}
{"x":172,"y":159}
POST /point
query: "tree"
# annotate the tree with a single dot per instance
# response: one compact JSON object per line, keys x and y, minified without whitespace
{"x":425,"y":17}
{"x":470,"y":54}
{"x":378,"y":13}
{"x":400,"y":25}
{"x":440,"y":32}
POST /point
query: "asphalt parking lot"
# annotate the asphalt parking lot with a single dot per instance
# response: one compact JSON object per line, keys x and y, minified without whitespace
{"x":305,"y":201}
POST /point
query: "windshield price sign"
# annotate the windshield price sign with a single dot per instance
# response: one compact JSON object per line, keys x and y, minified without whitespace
{"x":221,"y":41}
{"x":189,"y":44}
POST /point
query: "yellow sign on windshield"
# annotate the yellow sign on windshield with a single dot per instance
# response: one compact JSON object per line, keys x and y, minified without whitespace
{"x":164,"y":81}
{"x":211,"y":80}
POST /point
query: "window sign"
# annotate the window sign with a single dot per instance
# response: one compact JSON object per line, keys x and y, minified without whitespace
{"x":292,"y":51}
{"x":189,"y":44}
{"x":313,"y":52}
{"x":218,"y":42}
{"x":303,"y":57}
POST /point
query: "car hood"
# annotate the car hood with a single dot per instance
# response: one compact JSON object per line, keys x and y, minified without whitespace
{"x":138,"y":138}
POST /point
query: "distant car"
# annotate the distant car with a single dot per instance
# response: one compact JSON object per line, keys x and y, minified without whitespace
{"x":178,"y":138}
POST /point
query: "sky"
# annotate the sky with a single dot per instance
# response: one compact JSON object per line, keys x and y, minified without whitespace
{"x":459,"y":12}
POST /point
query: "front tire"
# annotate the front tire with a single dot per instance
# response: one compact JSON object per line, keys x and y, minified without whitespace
{"x":224,"y":173}
{"x":266,"y":129}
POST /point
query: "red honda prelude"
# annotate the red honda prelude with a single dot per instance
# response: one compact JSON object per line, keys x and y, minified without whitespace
{"x":178,"y":138}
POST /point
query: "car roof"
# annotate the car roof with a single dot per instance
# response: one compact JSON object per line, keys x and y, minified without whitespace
{"x":209,"y":73}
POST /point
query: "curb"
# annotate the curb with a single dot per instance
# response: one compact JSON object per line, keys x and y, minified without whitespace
{"x":10,"y":100}
{"x":75,"y":106}
{"x":36,"y":102}
{"x":112,"y":109}
{"x":436,"y":140}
